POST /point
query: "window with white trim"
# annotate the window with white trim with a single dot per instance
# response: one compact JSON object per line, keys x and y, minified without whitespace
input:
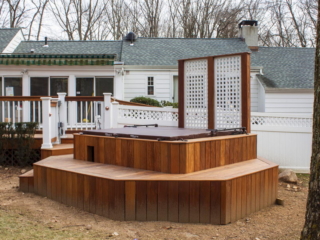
{"x":150,"y":86}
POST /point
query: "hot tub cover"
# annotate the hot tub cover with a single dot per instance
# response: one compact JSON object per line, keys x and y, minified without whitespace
{"x":156,"y":133}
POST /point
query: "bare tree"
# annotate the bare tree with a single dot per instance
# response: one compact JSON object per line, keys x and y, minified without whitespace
{"x":40,"y":7}
{"x":17,"y":12}
{"x":151,"y":12}
{"x":311,"y":229}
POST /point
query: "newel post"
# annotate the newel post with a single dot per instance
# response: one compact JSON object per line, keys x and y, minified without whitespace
{"x":107,"y":111}
{"x":46,"y":122}
{"x":63,"y":114}
{"x":115,"y":109}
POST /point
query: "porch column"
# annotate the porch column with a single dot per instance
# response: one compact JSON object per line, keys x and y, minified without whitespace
{"x":72,"y":110}
{"x":46,"y":122}
{"x":25,"y":92}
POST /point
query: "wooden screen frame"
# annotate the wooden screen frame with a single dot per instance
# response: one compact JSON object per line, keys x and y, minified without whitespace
{"x":245,"y":89}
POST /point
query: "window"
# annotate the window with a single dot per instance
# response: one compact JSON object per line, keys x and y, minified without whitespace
{"x":58,"y":85}
{"x":84,"y":86}
{"x":104,"y":85}
{"x":39,"y":86}
{"x":150,"y":86}
{"x":13,"y":86}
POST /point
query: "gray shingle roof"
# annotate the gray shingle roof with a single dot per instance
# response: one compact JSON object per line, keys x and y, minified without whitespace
{"x":6,"y":35}
{"x":285,"y":67}
{"x":166,"y":51}
{"x":70,"y":47}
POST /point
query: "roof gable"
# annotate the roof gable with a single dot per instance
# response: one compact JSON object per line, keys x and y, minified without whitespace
{"x":285,"y":68}
{"x":6,"y":35}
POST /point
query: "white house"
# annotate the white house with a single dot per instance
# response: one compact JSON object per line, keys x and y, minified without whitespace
{"x":282,"y":78}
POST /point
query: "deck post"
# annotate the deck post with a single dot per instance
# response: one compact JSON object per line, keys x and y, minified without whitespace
{"x":114,"y":114}
{"x":26,"y":104}
{"x":46,"y":123}
{"x":107,"y":111}
{"x":63,"y":114}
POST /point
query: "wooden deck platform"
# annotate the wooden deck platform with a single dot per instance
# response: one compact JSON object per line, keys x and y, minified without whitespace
{"x":166,"y":156}
{"x":219,"y":196}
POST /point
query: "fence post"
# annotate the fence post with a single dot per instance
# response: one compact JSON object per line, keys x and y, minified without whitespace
{"x":63,"y":114}
{"x":46,"y":122}
{"x":115,"y":109}
{"x":107,"y":121}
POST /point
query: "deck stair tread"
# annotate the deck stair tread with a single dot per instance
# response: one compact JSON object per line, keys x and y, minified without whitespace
{"x":60,"y":146}
{"x":119,"y":173}
{"x":27,"y":174}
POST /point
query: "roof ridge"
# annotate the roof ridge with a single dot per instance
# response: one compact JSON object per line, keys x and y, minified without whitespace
{"x":72,"y":41}
{"x":288,"y":47}
{"x":188,"y":38}
{"x":10,"y":28}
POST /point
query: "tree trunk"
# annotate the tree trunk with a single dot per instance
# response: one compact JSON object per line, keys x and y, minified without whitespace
{"x":311,"y":229}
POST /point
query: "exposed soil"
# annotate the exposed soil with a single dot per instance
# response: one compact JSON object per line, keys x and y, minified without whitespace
{"x":28,"y":216}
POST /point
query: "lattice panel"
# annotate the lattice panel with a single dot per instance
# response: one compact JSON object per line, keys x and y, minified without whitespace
{"x":136,"y":114}
{"x":281,"y":121}
{"x":196,"y":94}
{"x":227,"y":92}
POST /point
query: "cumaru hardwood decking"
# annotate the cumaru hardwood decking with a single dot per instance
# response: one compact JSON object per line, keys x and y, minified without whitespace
{"x":214,"y":180}
{"x":219,"y":196}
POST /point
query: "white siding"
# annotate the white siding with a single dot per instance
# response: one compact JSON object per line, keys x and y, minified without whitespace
{"x":254,"y":92}
{"x":14,"y":43}
{"x":135,"y":85}
{"x":289,"y":102}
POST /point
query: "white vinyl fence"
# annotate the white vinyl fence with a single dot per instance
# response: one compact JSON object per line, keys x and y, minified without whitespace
{"x":285,"y":139}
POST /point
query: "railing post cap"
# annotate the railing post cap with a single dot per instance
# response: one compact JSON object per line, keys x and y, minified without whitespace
{"x":107,"y":94}
{"x":62,"y":94}
{"x":45,"y":98}
{"x":115,"y":103}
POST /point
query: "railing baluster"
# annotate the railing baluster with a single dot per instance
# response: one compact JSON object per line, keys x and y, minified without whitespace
{"x":91,"y":112}
{"x":13,"y":112}
{"x":39,"y":112}
{"x":8,"y":111}
{"x":18,"y":110}
{"x":81,"y":115}
{"x":86,"y":116}
{"x":33,"y":111}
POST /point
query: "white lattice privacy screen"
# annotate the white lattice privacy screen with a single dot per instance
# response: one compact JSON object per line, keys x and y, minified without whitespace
{"x":227,"y":80}
{"x":196,"y":94}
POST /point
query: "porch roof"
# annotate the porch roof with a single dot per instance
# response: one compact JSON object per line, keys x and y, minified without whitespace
{"x":57,"y":59}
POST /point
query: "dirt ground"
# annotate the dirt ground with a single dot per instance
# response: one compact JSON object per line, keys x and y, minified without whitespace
{"x":28,"y":216}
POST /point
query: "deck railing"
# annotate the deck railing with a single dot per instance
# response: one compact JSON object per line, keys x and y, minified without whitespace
{"x":21,"y":109}
{"x":146,"y":115}
{"x":82,"y":112}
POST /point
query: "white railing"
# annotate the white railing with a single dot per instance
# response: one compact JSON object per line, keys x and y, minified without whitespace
{"x":21,"y":109}
{"x":128,"y":115}
{"x":82,"y":115}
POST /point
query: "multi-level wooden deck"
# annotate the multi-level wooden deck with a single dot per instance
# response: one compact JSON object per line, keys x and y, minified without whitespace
{"x":207,"y":180}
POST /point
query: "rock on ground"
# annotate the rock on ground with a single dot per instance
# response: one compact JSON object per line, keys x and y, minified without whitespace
{"x":288,"y":176}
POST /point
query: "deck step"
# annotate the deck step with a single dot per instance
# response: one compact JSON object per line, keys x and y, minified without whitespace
{"x":67,"y":140}
{"x":26,"y":181}
{"x":58,"y":149}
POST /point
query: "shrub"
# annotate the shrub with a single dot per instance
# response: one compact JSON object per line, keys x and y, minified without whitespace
{"x":146,"y":100}
{"x":16,"y":144}
{"x":167,"y":103}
